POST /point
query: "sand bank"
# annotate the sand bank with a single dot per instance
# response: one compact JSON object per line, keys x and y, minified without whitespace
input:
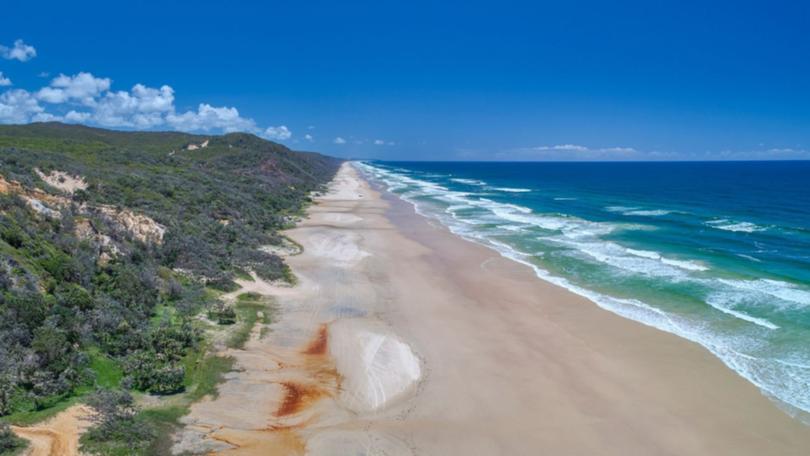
{"x":402,"y":339}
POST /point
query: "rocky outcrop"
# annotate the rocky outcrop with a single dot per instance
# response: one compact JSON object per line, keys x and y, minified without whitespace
{"x":139,"y":226}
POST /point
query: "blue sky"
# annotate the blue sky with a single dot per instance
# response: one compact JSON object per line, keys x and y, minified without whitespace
{"x":502,"y":80}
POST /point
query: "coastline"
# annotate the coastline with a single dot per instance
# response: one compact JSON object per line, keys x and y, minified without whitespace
{"x":402,"y":338}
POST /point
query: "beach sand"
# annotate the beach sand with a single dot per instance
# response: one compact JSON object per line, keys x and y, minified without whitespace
{"x":401,"y":339}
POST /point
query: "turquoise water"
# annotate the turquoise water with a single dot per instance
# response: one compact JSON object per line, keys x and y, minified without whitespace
{"x":718,"y":253}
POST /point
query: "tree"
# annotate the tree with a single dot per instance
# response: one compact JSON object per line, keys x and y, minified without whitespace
{"x":9,"y":442}
{"x":116,"y":423}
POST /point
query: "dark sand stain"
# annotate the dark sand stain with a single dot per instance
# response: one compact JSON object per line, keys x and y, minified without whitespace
{"x":297,"y":396}
{"x":306,"y":377}
{"x":319,"y":344}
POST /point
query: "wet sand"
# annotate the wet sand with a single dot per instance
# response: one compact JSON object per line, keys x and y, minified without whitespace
{"x":401,"y":338}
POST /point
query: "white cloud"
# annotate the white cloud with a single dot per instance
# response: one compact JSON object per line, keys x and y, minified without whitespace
{"x":570,"y":147}
{"x":379,"y":142}
{"x":142,"y":107}
{"x":279,"y":133}
{"x":4,"y":81}
{"x":309,"y":137}
{"x":82,"y":87}
{"x":578,"y":148}
{"x":20,"y":51}
{"x":339,"y":140}
{"x":785,"y":150}
{"x":85,"y":98}
{"x":208,"y":118}
{"x":19,"y":106}
{"x":77,"y":117}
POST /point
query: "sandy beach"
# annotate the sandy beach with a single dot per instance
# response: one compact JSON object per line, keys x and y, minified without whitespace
{"x":401,"y":338}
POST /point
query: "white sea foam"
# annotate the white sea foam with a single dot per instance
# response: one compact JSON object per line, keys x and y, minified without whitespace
{"x":683,"y":264}
{"x":645,"y":254}
{"x":619,"y":257}
{"x":649,"y":212}
{"x":621,"y":208}
{"x":514,"y":228}
{"x":468,"y":181}
{"x":512,"y":190}
{"x":790,"y":295}
{"x":725,"y":302}
{"x":633,"y":210}
{"x":749,"y":257}
{"x":730,"y":225}
{"x":564,"y":198}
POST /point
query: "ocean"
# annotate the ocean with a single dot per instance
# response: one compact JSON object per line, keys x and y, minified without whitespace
{"x":715,"y":252}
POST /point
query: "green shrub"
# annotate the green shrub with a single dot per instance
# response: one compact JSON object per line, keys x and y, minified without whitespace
{"x":117,"y":427}
{"x":222,"y":313}
{"x":9,"y":442}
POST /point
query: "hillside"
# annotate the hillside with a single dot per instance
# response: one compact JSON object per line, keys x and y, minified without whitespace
{"x":112,"y":244}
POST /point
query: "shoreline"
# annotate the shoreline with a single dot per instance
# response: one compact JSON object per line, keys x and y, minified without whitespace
{"x":404,"y":338}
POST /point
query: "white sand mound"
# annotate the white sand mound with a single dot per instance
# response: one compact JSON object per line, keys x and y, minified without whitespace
{"x":63,"y":181}
{"x":202,"y":145}
{"x":342,"y":248}
{"x":376,"y":366}
{"x":340,"y":219}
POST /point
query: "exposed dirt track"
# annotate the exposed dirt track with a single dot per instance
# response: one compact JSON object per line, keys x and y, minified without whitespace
{"x":59,"y":436}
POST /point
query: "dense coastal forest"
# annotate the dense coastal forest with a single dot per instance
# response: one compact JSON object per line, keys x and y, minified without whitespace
{"x":112,"y":246}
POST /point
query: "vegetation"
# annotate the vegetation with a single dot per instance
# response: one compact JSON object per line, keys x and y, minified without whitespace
{"x":249,"y":307}
{"x":9,"y":443}
{"x":100,"y":287}
{"x":119,"y":429}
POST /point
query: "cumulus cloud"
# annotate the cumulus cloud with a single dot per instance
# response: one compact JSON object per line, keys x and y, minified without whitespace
{"x":278,"y":133}
{"x":77,"y":117}
{"x":4,"y":81}
{"x":207,"y":118}
{"x":85,"y":98}
{"x":82,"y":88}
{"x":19,"y":51}
{"x":339,"y":140}
{"x":142,"y":107}
{"x":19,"y":106}
{"x":309,"y":137}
